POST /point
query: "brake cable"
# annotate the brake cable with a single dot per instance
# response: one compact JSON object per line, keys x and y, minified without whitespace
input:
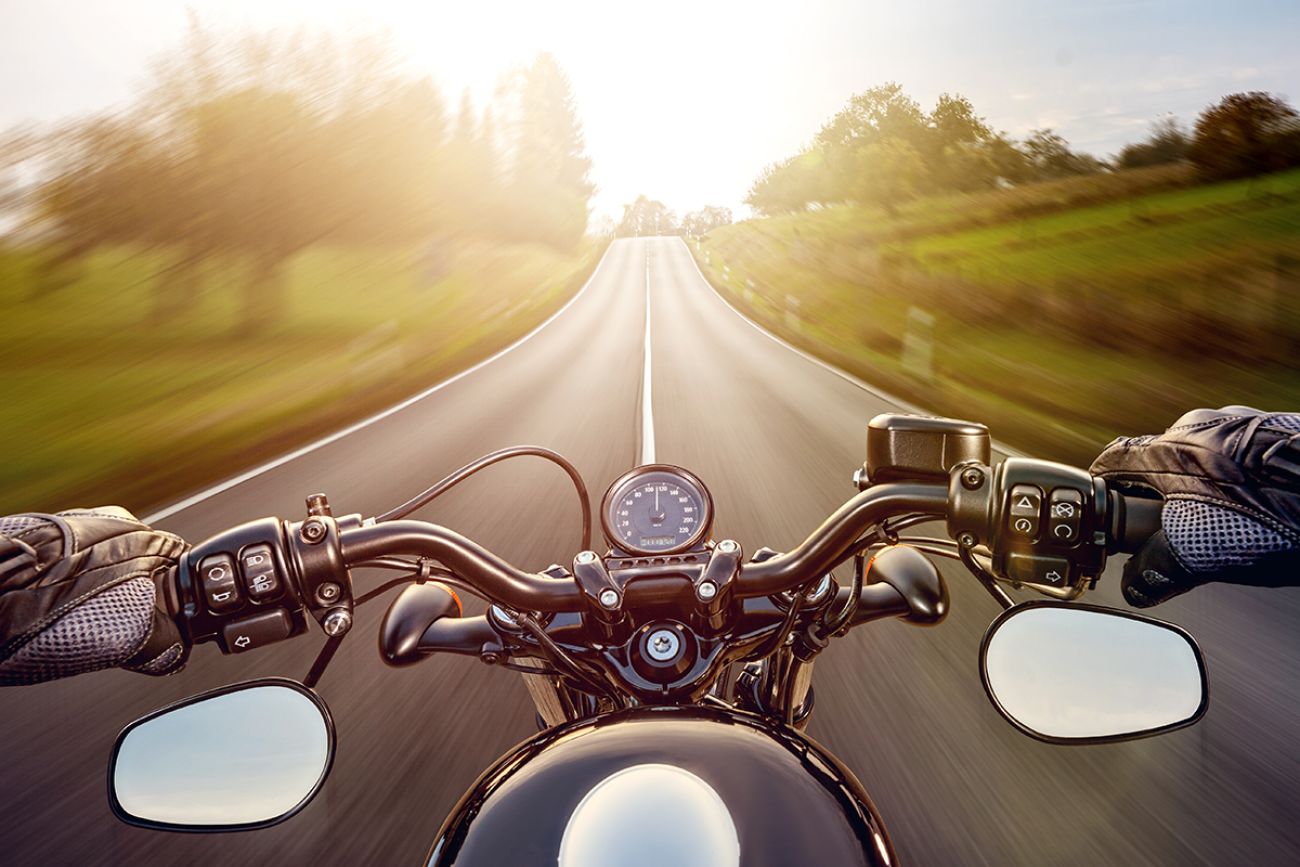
{"x":429,"y":494}
{"x":562,"y":660}
{"x":416,"y":569}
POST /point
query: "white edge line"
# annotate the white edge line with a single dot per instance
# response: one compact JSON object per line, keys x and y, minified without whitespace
{"x":647,"y":401}
{"x":842,"y":374}
{"x":221,"y":487}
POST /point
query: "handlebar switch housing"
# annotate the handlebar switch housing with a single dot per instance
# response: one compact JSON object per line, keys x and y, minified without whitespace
{"x":1045,"y":525}
{"x":316,"y":554}
{"x":917,"y":448}
{"x":239,"y":589}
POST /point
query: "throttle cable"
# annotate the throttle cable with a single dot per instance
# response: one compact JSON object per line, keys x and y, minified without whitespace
{"x":428,"y":495}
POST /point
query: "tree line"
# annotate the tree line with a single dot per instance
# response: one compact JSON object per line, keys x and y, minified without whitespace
{"x":648,"y":216}
{"x":251,"y":148}
{"x":883,"y":149}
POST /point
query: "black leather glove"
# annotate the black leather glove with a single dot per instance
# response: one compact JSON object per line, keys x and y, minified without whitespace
{"x":1231,"y":482}
{"x":85,"y":590}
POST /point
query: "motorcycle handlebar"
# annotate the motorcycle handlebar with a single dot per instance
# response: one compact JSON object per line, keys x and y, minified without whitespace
{"x":829,"y":543}
{"x":530,"y":591}
{"x":524,"y":591}
{"x":1132,"y":524}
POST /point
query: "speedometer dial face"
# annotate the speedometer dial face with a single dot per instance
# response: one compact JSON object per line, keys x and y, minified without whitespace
{"x":657,"y":509}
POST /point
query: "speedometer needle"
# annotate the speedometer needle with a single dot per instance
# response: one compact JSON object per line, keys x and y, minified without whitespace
{"x":657,"y":516}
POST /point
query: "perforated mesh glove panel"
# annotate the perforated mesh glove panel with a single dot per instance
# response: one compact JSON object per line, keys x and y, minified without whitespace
{"x":1231,"y":482}
{"x":85,"y":590}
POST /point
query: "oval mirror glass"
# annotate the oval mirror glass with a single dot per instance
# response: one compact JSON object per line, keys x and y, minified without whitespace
{"x":244,"y":756}
{"x":1079,"y":673}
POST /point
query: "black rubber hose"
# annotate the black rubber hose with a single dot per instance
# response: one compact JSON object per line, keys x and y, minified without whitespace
{"x":429,"y":494}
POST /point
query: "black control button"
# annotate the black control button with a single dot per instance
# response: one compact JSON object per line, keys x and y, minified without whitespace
{"x":1023,"y":508}
{"x":258,"y":566}
{"x":256,"y":631}
{"x":217,"y":575}
{"x":1032,"y":569}
{"x":1064,"y":514}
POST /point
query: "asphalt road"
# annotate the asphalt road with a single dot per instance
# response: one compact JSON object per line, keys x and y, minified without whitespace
{"x":776,"y":437}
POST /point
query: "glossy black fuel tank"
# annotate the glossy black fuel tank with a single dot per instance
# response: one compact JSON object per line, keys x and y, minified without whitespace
{"x":642,"y":786}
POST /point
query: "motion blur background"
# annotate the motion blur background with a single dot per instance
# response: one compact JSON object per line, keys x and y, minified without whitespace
{"x":229,"y":228}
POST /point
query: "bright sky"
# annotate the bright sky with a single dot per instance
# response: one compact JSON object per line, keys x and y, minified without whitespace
{"x":687,"y":101}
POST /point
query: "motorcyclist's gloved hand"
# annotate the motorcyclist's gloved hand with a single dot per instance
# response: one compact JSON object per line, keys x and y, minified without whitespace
{"x":85,"y":590}
{"x":1231,"y":482}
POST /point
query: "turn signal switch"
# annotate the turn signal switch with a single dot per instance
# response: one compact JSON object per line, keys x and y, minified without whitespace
{"x":1039,"y":524}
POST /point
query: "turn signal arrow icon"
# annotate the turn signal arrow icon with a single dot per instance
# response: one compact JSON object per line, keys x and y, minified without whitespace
{"x":243,"y":641}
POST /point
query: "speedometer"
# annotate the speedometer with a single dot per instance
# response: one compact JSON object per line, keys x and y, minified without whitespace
{"x":657,"y":509}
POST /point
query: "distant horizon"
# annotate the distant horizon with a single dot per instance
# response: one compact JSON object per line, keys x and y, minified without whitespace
{"x":687,"y":103}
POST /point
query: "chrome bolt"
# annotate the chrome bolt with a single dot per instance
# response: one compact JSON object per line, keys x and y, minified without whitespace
{"x":313,"y":531}
{"x":972,"y":477}
{"x":662,"y":645}
{"x":707,"y":590}
{"x":609,"y":598}
{"x":727,"y":546}
{"x":327,"y":593}
{"x":586,"y":557}
{"x":504,"y":616}
{"x":967,"y":539}
{"x":337,"y":622}
{"x":820,"y":590}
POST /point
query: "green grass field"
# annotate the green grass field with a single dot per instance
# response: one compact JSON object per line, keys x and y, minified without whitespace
{"x":1064,"y":313}
{"x":101,"y":405}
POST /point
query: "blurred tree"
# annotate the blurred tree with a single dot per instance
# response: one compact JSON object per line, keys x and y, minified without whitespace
{"x":1050,"y":157}
{"x":705,"y":220}
{"x":646,"y":217}
{"x":255,"y":147}
{"x":1167,"y":143}
{"x":794,"y":184}
{"x":469,"y":182}
{"x":956,"y":147}
{"x":1010,"y":164}
{"x":550,"y":193}
{"x":880,"y":112}
{"x":890,"y":172}
{"x":1245,"y":134}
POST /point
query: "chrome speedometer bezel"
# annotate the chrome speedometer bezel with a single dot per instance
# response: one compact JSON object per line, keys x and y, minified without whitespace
{"x":690,"y":479}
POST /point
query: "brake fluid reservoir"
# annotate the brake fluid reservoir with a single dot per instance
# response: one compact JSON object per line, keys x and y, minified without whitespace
{"x":920,"y":448}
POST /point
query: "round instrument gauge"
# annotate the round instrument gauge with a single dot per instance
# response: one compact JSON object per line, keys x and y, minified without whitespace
{"x":657,"y":509}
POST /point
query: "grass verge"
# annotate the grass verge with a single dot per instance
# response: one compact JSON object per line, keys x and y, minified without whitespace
{"x":1061,"y":316}
{"x":99,"y":405}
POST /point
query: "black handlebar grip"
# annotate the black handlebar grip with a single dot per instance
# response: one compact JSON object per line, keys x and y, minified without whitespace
{"x":1136,"y":520}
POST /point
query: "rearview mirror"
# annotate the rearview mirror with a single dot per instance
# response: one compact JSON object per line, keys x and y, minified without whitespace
{"x":1070,"y":673}
{"x":237,"y":758}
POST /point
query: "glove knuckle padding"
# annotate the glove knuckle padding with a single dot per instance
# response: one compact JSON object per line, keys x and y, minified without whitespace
{"x":1231,"y":482}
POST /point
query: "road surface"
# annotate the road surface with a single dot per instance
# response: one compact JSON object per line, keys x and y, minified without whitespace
{"x":776,"y":437}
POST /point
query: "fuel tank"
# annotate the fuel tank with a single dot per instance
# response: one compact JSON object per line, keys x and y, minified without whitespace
{"x":680,"y":786}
